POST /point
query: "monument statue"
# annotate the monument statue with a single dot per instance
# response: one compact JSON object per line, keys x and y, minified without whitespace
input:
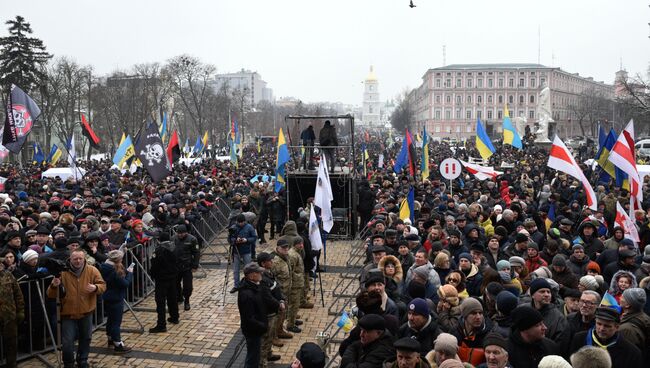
{"x":520,"y":125}
{"x":544,"y":114}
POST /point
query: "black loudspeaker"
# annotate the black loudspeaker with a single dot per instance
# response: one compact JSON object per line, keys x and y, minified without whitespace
{"x":301,"y":186}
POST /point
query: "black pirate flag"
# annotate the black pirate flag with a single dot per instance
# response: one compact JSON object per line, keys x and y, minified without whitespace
{"x":20,"y":116}
{"x":151,"y":152}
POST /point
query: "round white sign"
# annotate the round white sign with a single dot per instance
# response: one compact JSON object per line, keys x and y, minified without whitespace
{"x":450,"y":168}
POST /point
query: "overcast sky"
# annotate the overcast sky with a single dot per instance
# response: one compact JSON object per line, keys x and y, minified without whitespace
{"x":321,"y":50}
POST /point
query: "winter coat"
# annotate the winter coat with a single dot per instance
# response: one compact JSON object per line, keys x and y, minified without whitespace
{"x":613,"y":284}
{"x":525,"y":355}
{"x":247,"y":232}
{"x":635,"y":328}
{"x":252,"y":310}
{"x":470,"y":348}
{"x":187,"y":252}
{"x":434,"y":279}
{"x":556,"y":324}
{"x":612,"y":268}
{"x":473,"y":281}
{"x":488,"y":227}
{"x":406,"y":261}
{"x":425,"y":336}
{"x":534,"y":263}
{"x":575,"y":323}
{"x":593,"y":246}
{"x":164,"y":265}
{"x":392,"y":363}
{"x":566,"y":278}
{"x":116,"y":285}
{"x":623,"y":353}
{"x":399,"y":273}
{"x":76,"y":302}
{"x":578,"y":267}
{"x":370,"y":356}
{"x":297,"y":269}
{"x":448,"y":319}
{"x":492,"y":260}
{"x":282,"y":271}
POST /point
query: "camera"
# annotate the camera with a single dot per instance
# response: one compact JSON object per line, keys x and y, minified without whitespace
{"x":55,"y":266}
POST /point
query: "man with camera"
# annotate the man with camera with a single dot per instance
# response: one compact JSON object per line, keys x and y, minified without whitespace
{"x":241,"y":237}
{"x":77,"y":287}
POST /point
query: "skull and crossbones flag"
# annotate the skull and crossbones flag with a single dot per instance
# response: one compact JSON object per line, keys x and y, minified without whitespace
{"x":20,"y":115}
{"x":150,"y":151}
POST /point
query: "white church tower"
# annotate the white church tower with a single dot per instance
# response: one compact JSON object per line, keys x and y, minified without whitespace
{"x":371,"y":104}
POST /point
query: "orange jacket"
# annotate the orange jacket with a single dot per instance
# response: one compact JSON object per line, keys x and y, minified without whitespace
{"x":76,"y":303}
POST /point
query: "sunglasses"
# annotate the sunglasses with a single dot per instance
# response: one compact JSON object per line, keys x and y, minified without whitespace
{"x":454,"y":280}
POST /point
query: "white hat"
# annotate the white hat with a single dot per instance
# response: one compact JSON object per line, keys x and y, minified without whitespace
{"x":29,"y":255}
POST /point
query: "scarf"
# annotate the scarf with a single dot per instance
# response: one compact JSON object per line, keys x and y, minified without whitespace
{"x":592,"y":339}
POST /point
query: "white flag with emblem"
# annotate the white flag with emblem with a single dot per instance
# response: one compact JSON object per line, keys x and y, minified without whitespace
{"x":314,"y":231}
{"x":323,"y":197}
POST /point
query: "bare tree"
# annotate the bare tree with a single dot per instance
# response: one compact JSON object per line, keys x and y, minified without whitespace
{"x":633,"y":101}
{"x":404,"y":114}
{"x":589,"y":107}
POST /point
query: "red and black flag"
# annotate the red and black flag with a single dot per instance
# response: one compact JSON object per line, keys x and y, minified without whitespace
{"x":20,"y":115}
{"x":173,"y":149}
{"x":411,"y":152}
{"x":406,"y":155}
{"x":89,"y":133}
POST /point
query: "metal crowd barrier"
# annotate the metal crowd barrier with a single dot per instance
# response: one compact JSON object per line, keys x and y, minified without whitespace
{"x":39,"y":333}
{"x":211,"y":229}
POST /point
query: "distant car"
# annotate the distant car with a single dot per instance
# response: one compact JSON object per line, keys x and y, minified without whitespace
{"x":643,"y":148}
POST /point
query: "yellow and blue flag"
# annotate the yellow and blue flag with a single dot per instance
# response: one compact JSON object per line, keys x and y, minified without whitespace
{"x":550,"y":216}
{"x":407,"y":207}
{"x":55,"y":155}
{"x":510,"y":135}
{"x":125,"y":152}
{"x":39,"y":156}
{"x":198,"y":147}
{"x":204,"y":141}
{"x":345,"y":322}
{"x":280,"y":162}
{"x":424,"y":164}
{"x":483,"y":144}
{"x":610,"y":302}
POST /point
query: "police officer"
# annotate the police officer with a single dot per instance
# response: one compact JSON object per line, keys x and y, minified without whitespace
{"x":12,"y":313}
{"x":164,"y":271}
{"x":186,"y":248}
{"x":271,"y":289}
{"x":297,"y":284}
{"x":282,"y":271}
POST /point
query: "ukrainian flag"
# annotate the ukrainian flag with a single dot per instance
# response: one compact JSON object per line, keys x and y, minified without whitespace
{"x":39,"y":156}
{"x":55,"y":155}
{"x":125,"y":152}
{"x":280,"y":162}
{"x":407,"y":207}
{"x":609,"y":170}
{"x":483,"y":144}
{"x":424,"y":165}
{"x":204,"y":141}
{"x":610,"y":302}
{"x":510,"y":135}
{"x":550,"y":217}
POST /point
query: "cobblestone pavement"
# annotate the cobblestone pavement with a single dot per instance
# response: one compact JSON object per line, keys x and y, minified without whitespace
{"x":208,"y":335}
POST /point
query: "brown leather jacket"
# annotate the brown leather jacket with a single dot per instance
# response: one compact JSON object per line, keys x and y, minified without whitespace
{"x":76,"y":302}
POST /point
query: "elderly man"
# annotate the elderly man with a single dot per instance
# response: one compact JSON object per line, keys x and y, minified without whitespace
{"x":496,"y":353}
{"x":445,"y":347}
{"x":527,"y":344}
{"x":408,"y":355}
{"x":635,"y":324}
{"x":374,"y":346}
{"x":378,"y":252}
{"x":421,"y":325}
{"x":605,"y":335}
{"x":82,"y":283}
{"x":584,"y":318}
{"x":556,"y":324}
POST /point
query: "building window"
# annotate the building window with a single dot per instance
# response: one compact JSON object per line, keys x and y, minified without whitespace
{"x":448,"y":114}
{"x":458,"y":99}
{"x":469,"y":83}
{"x":469,"y":129}
{"x":511,"y":99}
{"x":490,"y":83}
{"x":532,"y":99}
{"x":511,"y":83}
{"x":521,"y":99}
{"x":468,"y":114}
{"x":479,"y":114}
{"x":521,"y":82}
{"x":458,"y":83}
{"x":499,"y":114}
{"x":542,"y":81}
{"x":490,"y":99}
{"x":438,"y":99}
{"x":458,"y":117}
{"x":437,"y":83}
{"x":500,"y":99}
{"x":500,"y":82}
{"x":531,"y":114}
{"x":479,"y":83}
{"x":437,"y":114}
{"x":532,"y":82}
{"x":457,"y":128}
{"x":437,"y":128}
{"x":489,"y":114}
{"x":469,"y":99}
{"x":479,"y":99}
{"x":370,"y":109}
{"x":448,"y":83}
{"x":448,"y":99}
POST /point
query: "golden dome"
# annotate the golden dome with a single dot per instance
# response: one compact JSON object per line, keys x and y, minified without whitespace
{"x":371,"y":76}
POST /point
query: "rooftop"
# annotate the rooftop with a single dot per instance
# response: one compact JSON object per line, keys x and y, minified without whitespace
{"x":492,"y":66}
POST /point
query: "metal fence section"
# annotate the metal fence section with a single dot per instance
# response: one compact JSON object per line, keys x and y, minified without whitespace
{"x":211,"y":229}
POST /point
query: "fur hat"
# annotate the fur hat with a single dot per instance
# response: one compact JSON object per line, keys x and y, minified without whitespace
{"x":448,"y":293}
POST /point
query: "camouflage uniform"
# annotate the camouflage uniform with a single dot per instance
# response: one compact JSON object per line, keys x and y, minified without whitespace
{"x":297,"y":285}
{"x":12,"y":313}
{"x":282,"y":272}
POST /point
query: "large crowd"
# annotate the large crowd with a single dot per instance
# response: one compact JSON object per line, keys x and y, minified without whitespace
{"x":482,"y":277}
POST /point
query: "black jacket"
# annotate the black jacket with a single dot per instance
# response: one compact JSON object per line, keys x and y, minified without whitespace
{"x":525,"y":355}
{"x":252,"y":310}
{"x":164,"y":265}
{"x":370,"y":356}
{"x":274,"y":295}
{"x":187,"y":252}
{"x":425,"y":337}
{"x":623,"y":353}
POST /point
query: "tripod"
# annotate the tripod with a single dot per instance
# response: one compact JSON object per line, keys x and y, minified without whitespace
{"x":231,"y":259}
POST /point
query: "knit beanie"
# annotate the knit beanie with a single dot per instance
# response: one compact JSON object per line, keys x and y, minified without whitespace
{"x":525,"y":317}
{"x":470,"y":305}
{"x":506,"y":302}
{"x":465,"y":255}
{"x":539,"y":284}
{"x":448,"y":293}
{"x":446,"y":343}
{"x":422,"y":272}
{"x":419,"y":306}
{"x":589,"y":283}
{"x":29,"y":255}
{"x":502,"y":264}
{"x":559,"y":260}
{"x":416,"y":289}
{"x":493,"y":289}
{"x":593,"y":266}
{"x":635,"y":297}
{"x":543,"y":272}
{"x":553,"y":361}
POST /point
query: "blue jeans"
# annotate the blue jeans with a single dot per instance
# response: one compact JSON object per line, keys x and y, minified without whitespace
{"x":72,"y":329}
{"x":114,"y":312}
{"x":253,"y":351}
{"x":236,"y":258}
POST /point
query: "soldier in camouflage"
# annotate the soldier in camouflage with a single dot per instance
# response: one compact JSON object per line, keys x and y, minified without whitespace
{"x":297,"y":284}
{"x":12,"y":313}
{"x":282,"y":271}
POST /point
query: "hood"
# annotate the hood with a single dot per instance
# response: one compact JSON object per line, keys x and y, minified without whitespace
{"x":399,"y":273}
{"x":613,"y":285}
{"x":290,"y":228}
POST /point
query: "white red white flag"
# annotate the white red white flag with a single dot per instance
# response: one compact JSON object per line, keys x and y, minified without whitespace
{"x":622,"y":156}
{"x":625,"y":222}
{"x":561,"y":159}
{"x":481,"y":172}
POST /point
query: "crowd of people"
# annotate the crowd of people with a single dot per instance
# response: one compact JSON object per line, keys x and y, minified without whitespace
{"x":484,"y":277}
